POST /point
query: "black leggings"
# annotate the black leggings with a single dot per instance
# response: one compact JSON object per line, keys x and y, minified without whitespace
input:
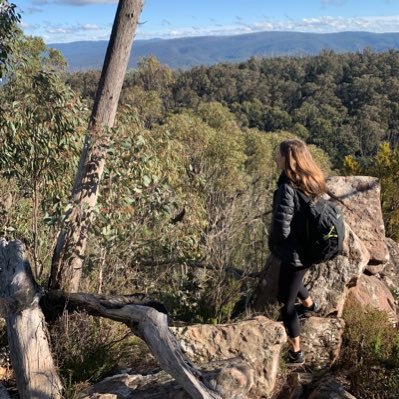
{"x":290,"y":286}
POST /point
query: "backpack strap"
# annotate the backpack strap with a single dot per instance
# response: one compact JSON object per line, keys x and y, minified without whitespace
{"x":306,"y":198}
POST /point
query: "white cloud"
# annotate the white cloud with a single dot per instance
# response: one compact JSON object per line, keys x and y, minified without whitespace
{"x":324,"y":24}
{"x":74,"y":2}
{"x":31,"y":27}
{"x":55,"y":33}
{"x":333,"y":2}
{"x":85,"y":2}
{"x":78,"y":28}
{"x":60,"y":33}
{"x":33,"y":10}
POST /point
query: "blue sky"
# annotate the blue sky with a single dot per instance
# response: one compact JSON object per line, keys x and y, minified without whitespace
{"x":71,"y":20}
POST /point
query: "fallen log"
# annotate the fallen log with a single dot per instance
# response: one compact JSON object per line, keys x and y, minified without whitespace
{"x":151,"y":326}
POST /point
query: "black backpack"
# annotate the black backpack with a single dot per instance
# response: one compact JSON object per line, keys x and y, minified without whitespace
{"x":324,"y":229}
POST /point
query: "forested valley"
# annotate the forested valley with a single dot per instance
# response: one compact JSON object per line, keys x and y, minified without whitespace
{"x":185,"y":198}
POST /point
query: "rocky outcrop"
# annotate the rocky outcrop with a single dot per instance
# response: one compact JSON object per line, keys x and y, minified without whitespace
{"x":362,"y":211}
{"x":372,"y":291}
{"x":240,"y":361}
{"x":328,"y":282}
{"x":258,"y":342}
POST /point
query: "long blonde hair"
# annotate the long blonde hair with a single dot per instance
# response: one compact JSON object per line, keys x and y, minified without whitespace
{"x":301,"y":169}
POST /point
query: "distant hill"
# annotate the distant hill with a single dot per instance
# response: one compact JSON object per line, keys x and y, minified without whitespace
{"x":207,"y":50}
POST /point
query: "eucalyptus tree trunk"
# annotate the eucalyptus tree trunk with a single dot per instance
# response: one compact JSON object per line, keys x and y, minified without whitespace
{"x":67,"y":262}
{"x":31,"y":359}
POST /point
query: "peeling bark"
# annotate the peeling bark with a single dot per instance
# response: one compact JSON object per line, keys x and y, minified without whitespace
{"x":30,"y":354}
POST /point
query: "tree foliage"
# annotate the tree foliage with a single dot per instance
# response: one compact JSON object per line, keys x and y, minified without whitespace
{"x":9,"y":17}
{"x":385,"y":166}
{"x":41,"y":124}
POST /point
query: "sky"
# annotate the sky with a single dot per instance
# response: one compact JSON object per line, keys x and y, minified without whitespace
{"x":60,"y":21}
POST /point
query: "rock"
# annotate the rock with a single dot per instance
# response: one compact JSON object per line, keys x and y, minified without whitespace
{"x":361,"y":194}
{"x":267,"y":289}
{"x":390,"y":273}
{"x":321,"y":341}
{"x":371,"y":291}
{"x":258,"y":342}
{"x":330,"y":388}
{"x":228,"y":380}
{"x":294,"y":385}
{"x":375,"y":269}
{"x":328,"y":282}
{"x":231,"y":381}
{"x":125,"y":386}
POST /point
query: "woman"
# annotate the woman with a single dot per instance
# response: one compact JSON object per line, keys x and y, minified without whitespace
{"x":286,"y":240}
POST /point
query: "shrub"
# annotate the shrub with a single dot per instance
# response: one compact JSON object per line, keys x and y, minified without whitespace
{"x":88,"y":349}
{"x":370,"y":353}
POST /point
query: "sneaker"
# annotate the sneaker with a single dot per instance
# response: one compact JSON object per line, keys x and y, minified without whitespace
{"x":304,"y":311}
{"x":295,"y":358}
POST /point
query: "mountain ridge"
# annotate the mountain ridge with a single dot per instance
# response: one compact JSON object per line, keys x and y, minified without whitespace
{"x":186,"y":52}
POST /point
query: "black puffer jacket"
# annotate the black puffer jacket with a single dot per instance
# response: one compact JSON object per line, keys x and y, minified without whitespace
{"x":288,"y":228}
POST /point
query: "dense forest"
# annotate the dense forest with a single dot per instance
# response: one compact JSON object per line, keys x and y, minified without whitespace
{"x":185,"y":200}
{"x":345,"y":104}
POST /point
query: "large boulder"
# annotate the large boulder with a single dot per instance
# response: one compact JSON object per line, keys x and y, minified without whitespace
{"x":258,"y":342}
{"x":362,"y":211}
{"x":372,"y":291}
{"x":328,"y":282}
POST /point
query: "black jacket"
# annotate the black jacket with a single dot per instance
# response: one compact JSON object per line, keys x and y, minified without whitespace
{"x":288,"y":228}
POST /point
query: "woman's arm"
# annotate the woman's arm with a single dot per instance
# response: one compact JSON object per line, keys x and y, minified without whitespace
{"x":283,"y":213}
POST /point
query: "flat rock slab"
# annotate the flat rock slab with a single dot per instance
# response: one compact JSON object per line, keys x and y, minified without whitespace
{"x":257,"y":341}
{"x":361,"y":194}
{"x":126,"y":386}
{"x":231,"y":379}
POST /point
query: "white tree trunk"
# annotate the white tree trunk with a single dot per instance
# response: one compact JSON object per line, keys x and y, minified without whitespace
{"x":30,"y":354}
{"x":68,"y":255}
